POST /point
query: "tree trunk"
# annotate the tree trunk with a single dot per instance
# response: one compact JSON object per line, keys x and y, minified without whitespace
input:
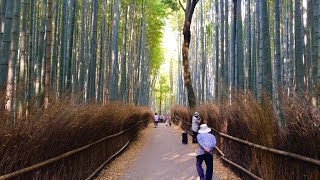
{"x":285,"y":67}
{"x":54,"y":64}
{"x":180,"y":83}
{"x":63,"y":47}
{"x":130,"y":54}
{"x":260,"y":53}
{"x":315,"y":49}
{"x":232,"y":46}
{"x":292,"y":50}
{"x":249,"y":58}
{"x":195,"y":57}
{"x":23,"y":59}
{"x":13,"y":54}
{"x":300,"y":88}
{"x":114,"y":52}
{"x":48,"y":54}
{"x":123,"y":84}
{"x":226,"y":59}
{"x":143,"y":68}
{"x":265,"y":54}
{"x":307,"y":47}
{"x":239,"y":48}
{"x":2,"y":21}
{"x":217,"y":70}
{"x":203,"y":55}
{"x":70,"y":51}
{"x":277,"y":44}
{"x":75,"y":65}
{"x":256,"y":50}
{"x":40,"y":55}
{"x":185,"y":51}
{"x":93,"y":47}
{"x":102,"y":52}
{"x":82,"y":51}
{"x":4,"y":59}
{"x":30,"y":75}
{"x":15,"y":47}
{"x":222,"y":54}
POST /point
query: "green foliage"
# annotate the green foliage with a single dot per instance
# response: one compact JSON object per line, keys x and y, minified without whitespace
{"x":172,"y":4}
{"x":155,"y":15}
{"x":164,"y":84}
{"x":162,"y":90}
{"x":208,"y":30}
{"x":177,"y":22}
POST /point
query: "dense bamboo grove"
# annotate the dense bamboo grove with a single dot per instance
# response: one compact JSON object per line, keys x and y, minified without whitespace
{"x":258,"y":46}
{"x":254,"y":66}
{"x":88,"y":50}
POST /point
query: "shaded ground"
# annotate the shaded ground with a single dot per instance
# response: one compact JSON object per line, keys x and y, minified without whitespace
{"x":157,"y":153}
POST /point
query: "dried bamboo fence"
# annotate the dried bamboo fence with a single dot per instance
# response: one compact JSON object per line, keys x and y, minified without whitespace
{"x":285,"y":165}
{"x":81,"y":163}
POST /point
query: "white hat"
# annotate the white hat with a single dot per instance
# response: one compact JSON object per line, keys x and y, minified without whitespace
{"x":204,"y":129}
{"x":196,"y":114}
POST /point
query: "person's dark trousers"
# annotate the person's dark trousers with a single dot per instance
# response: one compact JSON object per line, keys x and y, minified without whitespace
{"x":194,"y":137}
{"x":208,"y":159}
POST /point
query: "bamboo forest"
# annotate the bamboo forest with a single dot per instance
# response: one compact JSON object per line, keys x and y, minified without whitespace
{"x":149,"y":89}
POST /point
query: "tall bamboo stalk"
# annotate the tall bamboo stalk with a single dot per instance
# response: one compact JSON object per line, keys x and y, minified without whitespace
{"x":123,"y":84}
{"x":13,"y":54}
{"x":70,"y":48}
{"x":5,"y":49}
{"x":299,"y":70}
{"x":93,"y":49}
{"x":102,"y":52}
{"x":114,"y":52}
{"x":48,"y":55}
{"x":63,"y":48}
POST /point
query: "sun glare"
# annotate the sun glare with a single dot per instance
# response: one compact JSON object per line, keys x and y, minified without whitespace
{"x":169,"y":43}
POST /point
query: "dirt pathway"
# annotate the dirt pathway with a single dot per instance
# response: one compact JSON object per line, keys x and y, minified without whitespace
{"x":157,"y":153}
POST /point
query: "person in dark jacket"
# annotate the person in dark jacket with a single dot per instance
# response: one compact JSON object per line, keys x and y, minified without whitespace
{"x":195,"y":126}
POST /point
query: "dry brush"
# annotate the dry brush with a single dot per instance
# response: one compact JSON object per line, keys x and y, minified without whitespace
{"x":246,"y":119}
{"x":64,"y":127}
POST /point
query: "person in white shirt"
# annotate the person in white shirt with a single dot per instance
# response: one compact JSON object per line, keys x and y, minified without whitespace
{"x":195,"y":126}
{"x":156,"y":119}
{"x":161,"y":118}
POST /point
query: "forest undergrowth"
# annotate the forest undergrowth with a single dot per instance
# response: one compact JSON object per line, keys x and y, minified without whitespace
{"x":44,"y":134}
{"x":293,"y":127}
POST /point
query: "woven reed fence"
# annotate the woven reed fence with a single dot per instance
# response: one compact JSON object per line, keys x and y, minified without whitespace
{"x":253,"y":161}
{"x":84,"y":162}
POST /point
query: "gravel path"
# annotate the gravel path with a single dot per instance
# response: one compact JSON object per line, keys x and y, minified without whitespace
{"x":157,"y":153}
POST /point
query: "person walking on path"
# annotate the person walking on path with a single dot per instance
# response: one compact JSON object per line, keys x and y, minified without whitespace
{"x":161,"y":118}
{"x":156,"y":119}
{"x":167,"y":120}
{"x":206,"y":142}
{"x":195,"y":126}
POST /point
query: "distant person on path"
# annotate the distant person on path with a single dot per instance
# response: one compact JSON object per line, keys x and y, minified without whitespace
{"x":161,"y":118}
{"x":167,"y":120}
{"x":206,"y":142}
{"x":156,"y":119}
{"x":195,"y":126}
